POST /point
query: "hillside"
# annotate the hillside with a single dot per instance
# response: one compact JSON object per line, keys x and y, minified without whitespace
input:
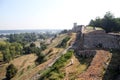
{"x":97,"y":67}
{"x":87,"y":54}
{"x":23,"y":64}
{"x":51,"y":53}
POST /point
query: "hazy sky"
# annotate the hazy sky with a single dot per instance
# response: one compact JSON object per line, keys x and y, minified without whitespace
{"x":53,"y":14}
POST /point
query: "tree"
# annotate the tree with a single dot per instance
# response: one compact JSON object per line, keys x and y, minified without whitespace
{"x":91,"y":22}
{"x":6,"y":55}
{"x":11,"y":71}
{"x":11,"y":50}
{"x":43,"y":46}
{"x":2,"y":45}
{"x":41,"y":58}
{"x":96,"y":23}
{"x":109,"y":23}
{"x":64,"y":31}
{"x":32,"y":45}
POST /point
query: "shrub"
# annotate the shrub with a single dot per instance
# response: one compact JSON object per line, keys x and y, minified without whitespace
{"x":54,"y":72}
{"x":41,"y":58}
{"x":64,"y":42}
{"x":10,"y":71}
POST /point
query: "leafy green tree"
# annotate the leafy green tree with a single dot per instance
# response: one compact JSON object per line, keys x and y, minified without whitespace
{"x":15,"y":49}
{"x":41,"y":58}
{"x":31,"y":49}
{"x":91,"y":22}
{"x":11,"y":51}
{"x":6,"y":55}
{"x":11,"y":71}
{"x":109,"y":23}
{"x":32,"y":45}
{"x":2,"y":45}
{"x":43,"y":46}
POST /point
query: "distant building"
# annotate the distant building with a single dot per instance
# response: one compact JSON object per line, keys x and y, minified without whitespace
{"x":77,"y":28}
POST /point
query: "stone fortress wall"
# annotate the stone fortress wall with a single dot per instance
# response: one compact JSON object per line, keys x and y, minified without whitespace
{"x":100,"y":39}
{"x":93,"y":38}
{"x":86,"y":53}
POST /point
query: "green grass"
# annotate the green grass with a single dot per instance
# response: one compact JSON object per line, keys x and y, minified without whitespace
{"x":54,"y":73}
{"x":1,"y":56}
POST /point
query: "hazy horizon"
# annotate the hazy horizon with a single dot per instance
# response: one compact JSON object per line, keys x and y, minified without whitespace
{"x":52,"y":14}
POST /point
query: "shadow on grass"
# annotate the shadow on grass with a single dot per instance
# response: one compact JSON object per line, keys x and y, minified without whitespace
{"x":84,"y":60}
{"x":113,"y":69}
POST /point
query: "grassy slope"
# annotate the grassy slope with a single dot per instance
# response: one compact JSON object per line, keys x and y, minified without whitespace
{"x":22,"y":63}
{"x":1,"y":56}
{"x":25,"y":63}
{"x":55,"y":72}
{"x":66,"y":71}
{"x":33,"y":71}
{"x":71,"y":71}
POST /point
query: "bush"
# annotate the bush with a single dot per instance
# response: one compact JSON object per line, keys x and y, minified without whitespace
{"x":41,"y":58}
{"x":10,"y":71}
{"x":63,"y":44}
{"x":54,"y":71}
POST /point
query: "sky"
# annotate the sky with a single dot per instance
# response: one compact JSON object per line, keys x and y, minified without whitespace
{"x":53,"y":14}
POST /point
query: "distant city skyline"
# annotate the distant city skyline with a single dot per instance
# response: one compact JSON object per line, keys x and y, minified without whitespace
{"x":53,"y":14}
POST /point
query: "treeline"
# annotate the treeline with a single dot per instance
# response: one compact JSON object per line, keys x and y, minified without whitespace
{"x":23,"y":43}
{"x":27,"y":37}
{"x":109,"y":23}
{"x":23,"y":37}
{"x":12,"y":50}
{"x":17,"y":46}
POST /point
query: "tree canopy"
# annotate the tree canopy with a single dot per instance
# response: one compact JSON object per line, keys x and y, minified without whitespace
{"x":109,"y":23}
{"x":10,"y":50}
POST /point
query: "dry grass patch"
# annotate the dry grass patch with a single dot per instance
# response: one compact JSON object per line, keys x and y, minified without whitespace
{"x":95,"y":70}
{"x":72,"y":71}
{"x":22,"y":63}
